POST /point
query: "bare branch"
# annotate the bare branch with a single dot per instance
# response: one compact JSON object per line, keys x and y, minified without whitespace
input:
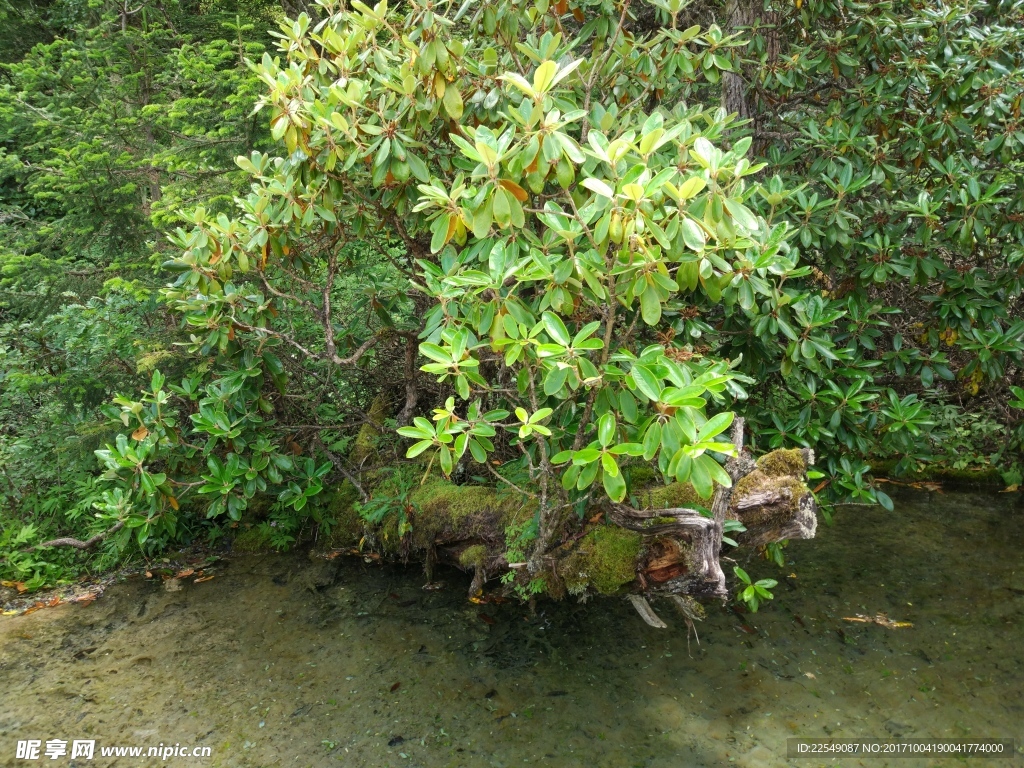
{"x":87,"y":544}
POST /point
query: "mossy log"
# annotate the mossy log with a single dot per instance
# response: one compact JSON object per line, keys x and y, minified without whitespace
{"x":664,"y":546}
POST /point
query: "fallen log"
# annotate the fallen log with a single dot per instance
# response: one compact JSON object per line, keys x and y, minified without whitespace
{"x":666,"y":543}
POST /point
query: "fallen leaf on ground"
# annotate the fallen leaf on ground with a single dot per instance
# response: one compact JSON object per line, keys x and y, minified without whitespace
{"x":185,"y":573}
{"x":810,"y":675}
{"x":204,"y":578}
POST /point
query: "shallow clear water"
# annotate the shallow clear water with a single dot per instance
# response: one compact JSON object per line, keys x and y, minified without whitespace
{"x":375,"y":671}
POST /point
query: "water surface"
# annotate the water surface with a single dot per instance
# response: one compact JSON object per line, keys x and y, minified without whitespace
{"x":269,"y":667}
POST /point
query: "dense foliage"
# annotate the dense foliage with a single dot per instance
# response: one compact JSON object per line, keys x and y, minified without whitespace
{"x":584,"y":234}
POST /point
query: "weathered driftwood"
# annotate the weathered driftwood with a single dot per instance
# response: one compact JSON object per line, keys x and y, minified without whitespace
{"x":662,"y":548}
{"x":646,"y":612}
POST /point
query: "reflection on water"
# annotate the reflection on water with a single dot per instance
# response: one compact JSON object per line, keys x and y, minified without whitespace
{"x":268,"y":666}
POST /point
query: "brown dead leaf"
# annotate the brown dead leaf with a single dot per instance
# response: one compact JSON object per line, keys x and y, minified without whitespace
{"x":185,"y":573}
{"x":518,"y":192}
{"x":140,"y":433}
{"x":204,"y":578}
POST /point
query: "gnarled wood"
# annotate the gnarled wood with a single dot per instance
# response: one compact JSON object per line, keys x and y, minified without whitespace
{"x":670,"y":550}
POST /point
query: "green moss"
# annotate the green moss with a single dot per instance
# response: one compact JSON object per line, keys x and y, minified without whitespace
{"x":253,"y":541}
{"x":669,"y":496}
{"x":954,"y":477}
{"x":366,"y":439}
{"x":604,"y":559}
{"x":758,"y":481}
{"x":641,"y":475}
{"x":470,"y":510}
{"x":783,"y":462}
{"x":473,"y":556}
{"x":347,"y":526}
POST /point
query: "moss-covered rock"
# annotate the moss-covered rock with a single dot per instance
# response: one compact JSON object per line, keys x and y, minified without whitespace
{"x":785,"y":461}
{"x":605,"y":559}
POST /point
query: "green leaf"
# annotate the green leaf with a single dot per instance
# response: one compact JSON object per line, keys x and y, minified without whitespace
{"x":693,"y":235}
{"x":647,"y":382}
{"x":417,"y":448}
{"x":650,"y":306}
{"x":606,"y":429}
{"x":555,"y":380}
{"x":501,"y":208}
{"x":598,"y":186}
{"x":453,"y":102}
{"x":652,"y":440}
{"x":556,"y":328}
{"x":586,"y":456}
{"x":540,"y":415}
{"x":716,"y":425}
{"x":701,"y":480}
{"x":614,"y":486}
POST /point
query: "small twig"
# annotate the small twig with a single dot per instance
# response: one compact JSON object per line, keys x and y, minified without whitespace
{"x":505,"y":480}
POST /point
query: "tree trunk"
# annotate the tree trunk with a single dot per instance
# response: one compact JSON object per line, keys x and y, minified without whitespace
{"x":739,"y":14}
